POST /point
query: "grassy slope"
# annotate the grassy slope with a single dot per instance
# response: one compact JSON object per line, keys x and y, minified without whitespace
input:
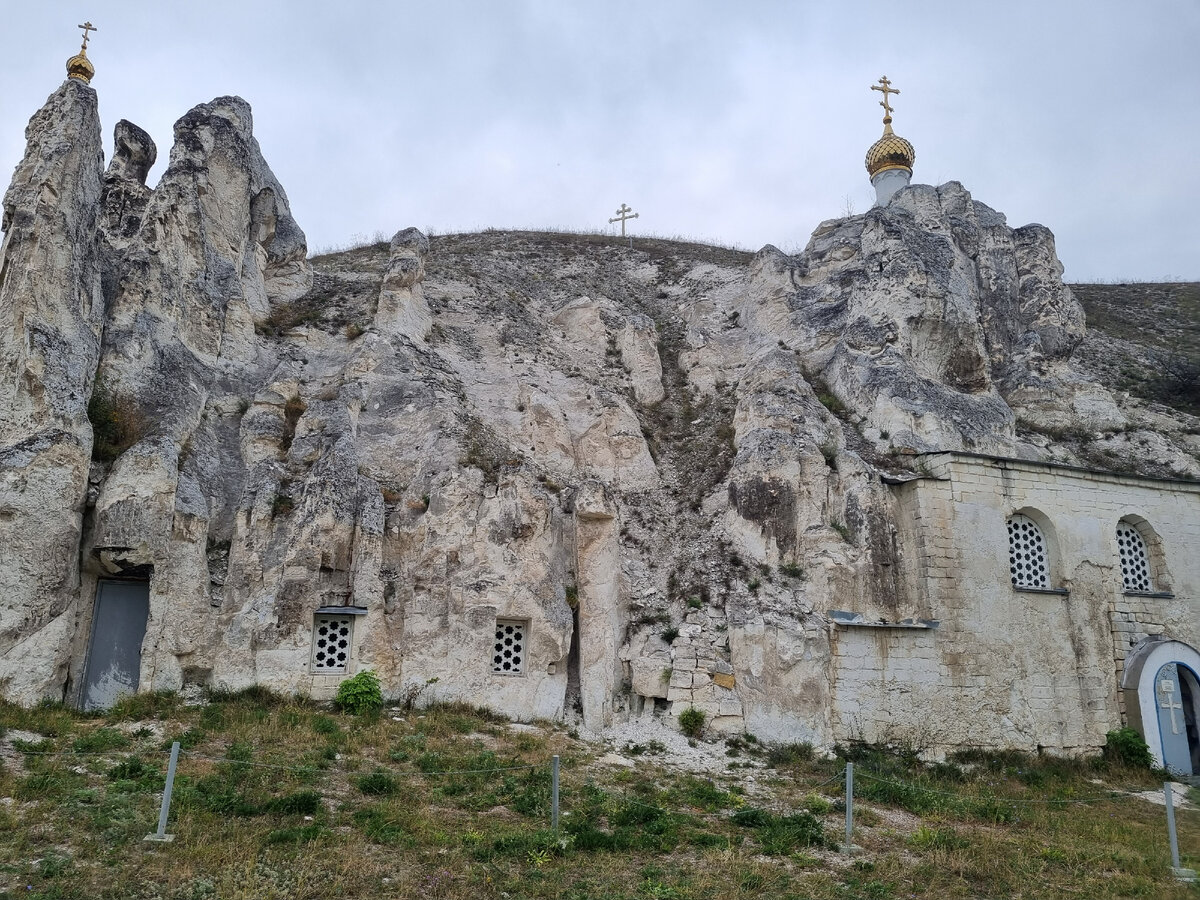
{"x":83,"y":798}
{"x":1136,"y":332}
{"x":1158,"y":315}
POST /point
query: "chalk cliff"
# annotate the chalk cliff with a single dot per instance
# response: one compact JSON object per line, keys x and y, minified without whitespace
{"x":670,"y":460}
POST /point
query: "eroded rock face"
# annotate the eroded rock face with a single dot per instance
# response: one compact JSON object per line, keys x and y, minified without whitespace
{"x":125,"y":193}
{"x":658,"y":468}
{"x":402,"y":308}
{"x":51,"y":317}
{"x":934,"y":320}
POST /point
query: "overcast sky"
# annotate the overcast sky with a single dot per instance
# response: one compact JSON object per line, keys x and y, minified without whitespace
{"x":738,"y":123}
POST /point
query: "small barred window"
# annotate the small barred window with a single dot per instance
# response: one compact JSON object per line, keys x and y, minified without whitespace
{"x":331,"y":643}
{"x":1027,"y":557}
{"x":508,"y":658}
{"x":1135,"y":562}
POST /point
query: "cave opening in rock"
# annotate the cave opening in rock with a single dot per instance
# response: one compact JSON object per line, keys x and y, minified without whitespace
{"x":573,"y":702}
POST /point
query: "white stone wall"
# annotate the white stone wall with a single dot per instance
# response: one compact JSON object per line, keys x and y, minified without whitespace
{"x":1009,"y":667}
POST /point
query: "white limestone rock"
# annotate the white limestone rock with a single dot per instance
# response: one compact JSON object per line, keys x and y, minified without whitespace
{"x":638,"y":344}
{"x":125,"y":194}
{"x":655,"y":461}
{"x":51,"y":318}
{"x":402,"y":308}
{"x":933,"y":320}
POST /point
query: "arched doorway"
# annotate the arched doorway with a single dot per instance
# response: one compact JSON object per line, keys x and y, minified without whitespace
{"x":1162,"y":701}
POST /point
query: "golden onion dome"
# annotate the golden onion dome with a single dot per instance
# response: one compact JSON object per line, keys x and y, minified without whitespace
{"x":890,"y":152}
{"x":80,"y":67}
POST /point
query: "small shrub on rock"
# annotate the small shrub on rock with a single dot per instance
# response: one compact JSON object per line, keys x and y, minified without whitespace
{"x":360,"y":695}
{"x":691,"y":722}
{"x":117,"y":422}
{"x":789,"y":754}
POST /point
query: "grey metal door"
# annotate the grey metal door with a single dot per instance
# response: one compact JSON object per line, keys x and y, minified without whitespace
{"x":1172,"y":723}
{"x":115,"y":654}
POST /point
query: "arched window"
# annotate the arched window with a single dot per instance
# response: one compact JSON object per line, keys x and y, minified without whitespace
{"x":1028,"y":559}
{"x":1135,"y":560}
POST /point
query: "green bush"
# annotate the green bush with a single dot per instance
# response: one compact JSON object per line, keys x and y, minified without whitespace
{"x":691,"y":722}
{"x":705,"y":795}
{"x":817,"y":805}
{"x":383,"y":826}
{"x":299,"y":803}
{"x":300,"y":835}
{"x":378,"y":784}
{"x":1126,"y":747}
{"x":117,"y":422}
{"x":130,"y":769}
{"x":218,"y":794}
{"x":781,"y":835}
{"x":789,"y":754}
{"x":325,"y":725}
{"x":360,"y":694}
{"x":100,"y":740}
{"x":937,"y":839}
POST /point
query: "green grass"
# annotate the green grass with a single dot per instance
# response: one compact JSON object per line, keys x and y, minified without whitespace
{"x":281,"y":798}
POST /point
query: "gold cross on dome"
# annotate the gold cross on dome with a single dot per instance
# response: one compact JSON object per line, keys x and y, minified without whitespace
{"x":886,"y":89}
{"x":87,"y":26}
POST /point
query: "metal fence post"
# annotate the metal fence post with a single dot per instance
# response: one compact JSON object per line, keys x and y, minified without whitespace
{"x":849,"y":807}
{"x":554,"y":793}
{"x":161,"y":834}
{"x":1176,"y":869}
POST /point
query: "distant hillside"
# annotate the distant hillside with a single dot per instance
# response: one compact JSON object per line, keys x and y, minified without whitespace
{"x":1144,"y":339}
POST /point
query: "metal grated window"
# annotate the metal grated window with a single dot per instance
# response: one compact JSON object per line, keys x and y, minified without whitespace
{"x":331,"y":643}
{"x":508,"y":657}
{"x":1027,"y":557}
{"x":1135,"y":562}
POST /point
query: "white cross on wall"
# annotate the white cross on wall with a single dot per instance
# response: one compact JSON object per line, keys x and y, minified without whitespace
{"x":1168,"y":702}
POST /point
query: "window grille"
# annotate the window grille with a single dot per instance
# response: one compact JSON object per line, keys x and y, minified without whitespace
{"x":331,"y":643}
{"x":1027,"y":557}
{"x":1135,"y":562}
{"x":508,"y":657}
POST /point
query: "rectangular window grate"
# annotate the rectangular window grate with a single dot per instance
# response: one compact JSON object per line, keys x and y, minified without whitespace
{"x":1135,"y":562}
{"x":508,"y":658}
{"x":1027,"y":556}
{"x":331,"y":643}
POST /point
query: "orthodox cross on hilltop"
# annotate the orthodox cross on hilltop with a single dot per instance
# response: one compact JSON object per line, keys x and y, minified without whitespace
{"x":622,"y":214}
{"x":87,"y":26}
{"x":886,"y":89}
